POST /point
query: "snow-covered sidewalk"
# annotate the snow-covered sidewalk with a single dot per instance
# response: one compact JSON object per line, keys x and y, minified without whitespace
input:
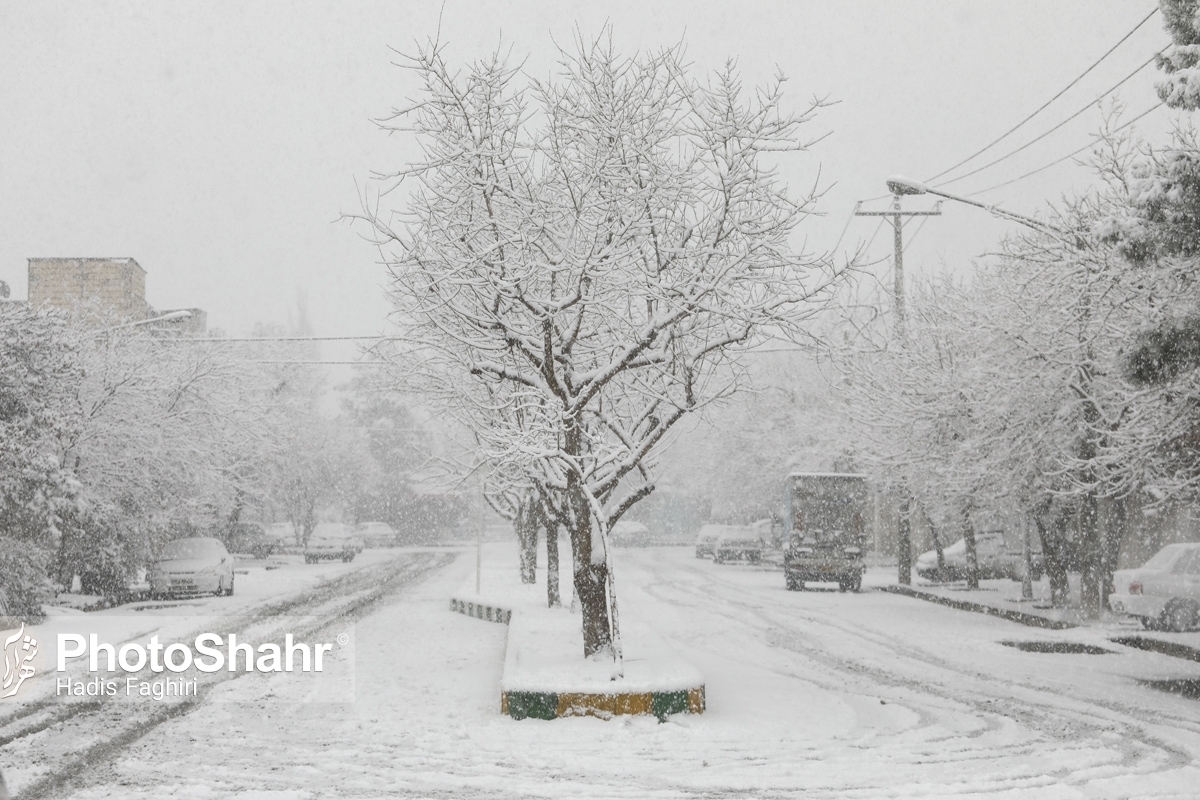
{"x":1004,"y":596}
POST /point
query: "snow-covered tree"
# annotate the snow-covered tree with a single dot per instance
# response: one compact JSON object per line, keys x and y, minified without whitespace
{"x":40,"y":371}
{"x":591,"y":252}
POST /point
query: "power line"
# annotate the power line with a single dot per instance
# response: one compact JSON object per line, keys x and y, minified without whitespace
{"x":278,"y":338}
{"x":1072,"y":154}
{"x":846,"y":227}
{"x":1037,"y":139}
{"x":916,"y":233}
{"x":352,"y":363}
{"x":1048,"y":102}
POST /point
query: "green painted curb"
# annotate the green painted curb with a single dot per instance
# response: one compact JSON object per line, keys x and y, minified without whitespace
{"x":536,"y":705}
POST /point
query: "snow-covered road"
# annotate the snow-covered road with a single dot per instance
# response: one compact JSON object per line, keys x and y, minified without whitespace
{"x":815,"y":694}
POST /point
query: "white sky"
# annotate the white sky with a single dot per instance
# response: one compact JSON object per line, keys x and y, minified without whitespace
{"x":218,"y":142}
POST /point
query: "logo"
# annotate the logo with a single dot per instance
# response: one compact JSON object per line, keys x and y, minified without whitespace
{"x":19,"y":651}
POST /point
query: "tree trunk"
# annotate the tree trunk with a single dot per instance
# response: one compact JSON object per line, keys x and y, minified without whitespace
{"x":526,"y":524}
{"x":904,"y":542}
{"x":972,"y":552}
{"x":941,"y":551}
{"x":1026,"y":560}
{"x":553,"y":599}
{"x":1115,"y":530}
{"x":1091,"y":556}
{"x":1052,"y":528}
{"x":591,"y":569}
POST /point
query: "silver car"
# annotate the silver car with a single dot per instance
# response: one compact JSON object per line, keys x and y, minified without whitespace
{"x":1163,"y":593}
{"x":199,"y":565}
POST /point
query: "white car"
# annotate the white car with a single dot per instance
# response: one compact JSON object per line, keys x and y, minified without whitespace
{"x":629,"y":534}
{"x":331,"y":541}
{"x":994,"y":558}
{"x":739,"y":544}
{"x":706,"y":540}
{"x":199,"y":565}
{"x":376,"y":534}
{"x":1164,"y":592}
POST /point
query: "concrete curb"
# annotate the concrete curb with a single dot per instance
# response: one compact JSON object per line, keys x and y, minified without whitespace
{"x":1158,"y":646}
{"x":552,"y":705}
{"x":1032,"y":620}
{"x":482,"y":611}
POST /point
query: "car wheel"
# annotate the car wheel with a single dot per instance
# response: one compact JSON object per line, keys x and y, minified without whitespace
{"x":794,"y":584}
{"x":854,"y":584}
{"x":1150,"y":623}
{"x":1180,"y":615}
{"x":220,"y":587}
{"x":229,"y":591}
{"x":841,"y":586}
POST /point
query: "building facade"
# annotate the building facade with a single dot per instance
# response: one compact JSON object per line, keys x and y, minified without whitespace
{"x":105,"y":286}
{"x":115,"y":285}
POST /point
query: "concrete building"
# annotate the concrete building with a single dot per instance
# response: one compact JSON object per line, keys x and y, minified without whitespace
{"x":115,"y":286}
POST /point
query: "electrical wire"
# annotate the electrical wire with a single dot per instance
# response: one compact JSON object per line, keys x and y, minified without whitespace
{"x":842,"y":235}
{"x":916,"y":233}
{"x":873,"y":235}
{"x":1037,"y":139}
{"x":1041,"y":108}
{"x":320,"y":363}
{"x":1072,"y":154}
{"x":274,"y":338}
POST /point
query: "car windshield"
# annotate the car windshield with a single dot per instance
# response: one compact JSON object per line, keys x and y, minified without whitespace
{"x":190,"y":548}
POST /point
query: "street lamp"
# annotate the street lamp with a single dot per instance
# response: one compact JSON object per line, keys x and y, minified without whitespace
{"x":170,"y":316}
{"x":899,"y":185}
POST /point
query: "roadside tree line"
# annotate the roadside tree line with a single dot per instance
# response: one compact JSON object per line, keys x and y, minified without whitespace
{"x":114,"y":439}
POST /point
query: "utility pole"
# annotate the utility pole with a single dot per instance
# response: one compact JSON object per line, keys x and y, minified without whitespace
{"x":904,"y":521}
{"x":897,"y":215}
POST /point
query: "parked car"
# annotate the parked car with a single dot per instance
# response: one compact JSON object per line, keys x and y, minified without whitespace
{"x":1163,"y":593}
{"x":992,"y":554}
{"x":376,"y":534}
{"x":770,"y":533}
{"x":706,"y":540}
{"x":282,"y":533}
{"x":250,"y":538}
{"x":738,"y":544}
{"x":199,"y":565}
{"x":331,"y":541}
{"x":627,"y":533}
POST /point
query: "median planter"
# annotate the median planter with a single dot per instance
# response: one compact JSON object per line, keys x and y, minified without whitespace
{"x":545,"y":677}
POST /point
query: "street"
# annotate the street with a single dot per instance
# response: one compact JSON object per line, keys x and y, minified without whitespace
{"x":820,"y":694}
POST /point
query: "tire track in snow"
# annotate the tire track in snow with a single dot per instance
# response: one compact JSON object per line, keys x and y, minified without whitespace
{"x":997,"y":701}
{"x":109,"y":727}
